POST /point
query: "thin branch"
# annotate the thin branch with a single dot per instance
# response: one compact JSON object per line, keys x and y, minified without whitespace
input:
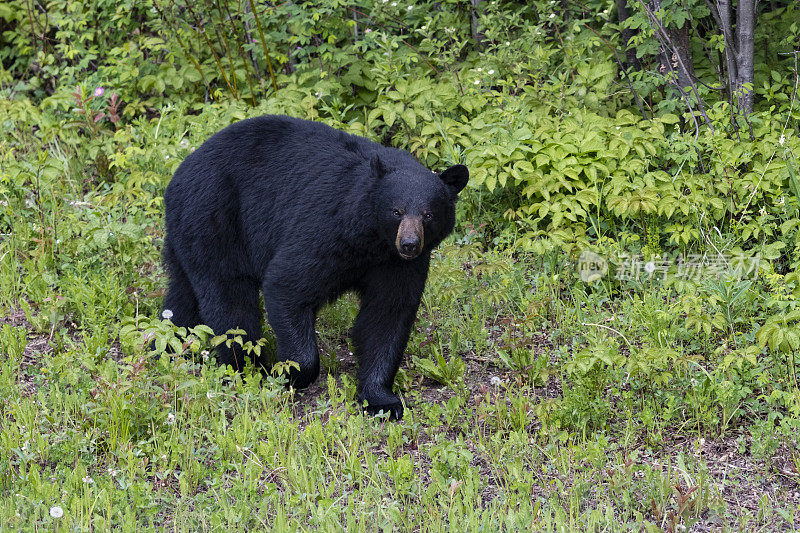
{"x":189,"y":56}
{"x":622,"y":69}
{"x":264,"y":44}
{"x":401,"y":39}
{"x":666,"y":41}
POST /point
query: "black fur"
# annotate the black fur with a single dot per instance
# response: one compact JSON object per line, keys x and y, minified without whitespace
{"x":304,"y":213}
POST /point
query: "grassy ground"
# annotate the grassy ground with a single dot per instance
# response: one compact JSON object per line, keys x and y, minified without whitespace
{"x":500,"y":434}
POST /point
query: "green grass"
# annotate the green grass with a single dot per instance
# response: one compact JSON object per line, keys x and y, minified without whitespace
{"x":503,"y":432}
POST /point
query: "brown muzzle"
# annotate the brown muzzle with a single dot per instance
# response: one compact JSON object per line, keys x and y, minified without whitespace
{"x":410,"y":237}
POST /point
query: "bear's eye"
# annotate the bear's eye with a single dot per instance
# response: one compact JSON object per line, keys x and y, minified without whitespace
{"x":397,"y":213}
{"x":428,"y":216}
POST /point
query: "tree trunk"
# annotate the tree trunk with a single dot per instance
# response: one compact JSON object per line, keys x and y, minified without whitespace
{"x":631,"y":61}
{"x":675,"y":55}
{"x":739,"y":48}
{"x":477,"y":34}
{"x":745,"y":29}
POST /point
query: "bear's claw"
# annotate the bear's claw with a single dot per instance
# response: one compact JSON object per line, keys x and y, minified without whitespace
{"x":388,"y":403}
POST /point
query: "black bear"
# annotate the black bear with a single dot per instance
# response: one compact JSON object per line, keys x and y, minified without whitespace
{"x":305,"y":212}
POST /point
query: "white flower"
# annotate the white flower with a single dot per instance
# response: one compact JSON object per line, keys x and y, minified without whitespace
{"x":88,"y":480}
{"x":650,"y":267}
{"x":166,"y":314}
{"x":477,"y":82}
{"x":184,"y":143}
{"x":496,"y":381}
{"x":394,"y":4}
{"x":410,"y":8}
{"x":166,"y":157}
{"x":782,"y":139}
{"x":694,"y":382}
{"x":210,"y":395}
{"x":508,"y":43}
{"x":171,"y":418}
{"x":552,"y":15}
{"x":479,"y":69}
{"x":491,"y":71}
{"x":56,"y":511}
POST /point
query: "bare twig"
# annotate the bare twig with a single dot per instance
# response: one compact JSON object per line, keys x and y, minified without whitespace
{"x":264,"y":44}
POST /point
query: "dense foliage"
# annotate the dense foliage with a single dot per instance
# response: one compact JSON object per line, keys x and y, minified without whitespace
{"x":540,"y":396}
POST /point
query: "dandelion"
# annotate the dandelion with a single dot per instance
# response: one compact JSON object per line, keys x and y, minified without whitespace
{"x":650,"y":267}
{"x":88,"y":480}
{"x":166,"y":314}
{"x":56,"y":511}
{"x":495,"y":381}
{"x":99,"y":92}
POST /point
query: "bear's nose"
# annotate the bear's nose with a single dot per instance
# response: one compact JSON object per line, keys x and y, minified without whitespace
{"x":409,"y":246}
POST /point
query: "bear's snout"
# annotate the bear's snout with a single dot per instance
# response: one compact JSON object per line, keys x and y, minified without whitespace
{"x":410,"y":237}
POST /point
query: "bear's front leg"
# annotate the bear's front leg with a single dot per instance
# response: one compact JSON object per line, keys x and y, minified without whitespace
{"x":390,"y":296}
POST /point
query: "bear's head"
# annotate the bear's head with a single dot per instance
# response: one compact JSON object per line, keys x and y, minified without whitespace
{"x":415,"y":207}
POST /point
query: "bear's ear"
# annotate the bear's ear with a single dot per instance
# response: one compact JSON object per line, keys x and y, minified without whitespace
{"x":455,"y":177}
{"x":376,"y":166}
